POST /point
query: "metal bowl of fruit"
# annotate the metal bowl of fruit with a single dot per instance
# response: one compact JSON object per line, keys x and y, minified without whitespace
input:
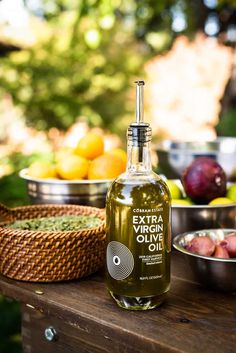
{"x":58,"y":191}
{"x":211,"y":254}
{"x":79,"y":175}
{"x":203,"y":199}
{"x":175,"y":156}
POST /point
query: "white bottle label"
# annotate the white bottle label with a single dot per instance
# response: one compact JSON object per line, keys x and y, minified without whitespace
{"x":149,"y":230}
{"x":140,"y":254}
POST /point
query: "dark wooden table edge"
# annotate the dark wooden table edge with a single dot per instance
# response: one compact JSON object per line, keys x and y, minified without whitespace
{"x":35,"y":301}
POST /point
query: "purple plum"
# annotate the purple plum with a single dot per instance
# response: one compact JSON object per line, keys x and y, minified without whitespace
{"x":229,"y":243}
{"x":220,"y":251}
{"x":201,"y":246}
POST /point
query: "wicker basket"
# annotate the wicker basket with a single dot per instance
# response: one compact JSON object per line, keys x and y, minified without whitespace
{"x":43,"y":256}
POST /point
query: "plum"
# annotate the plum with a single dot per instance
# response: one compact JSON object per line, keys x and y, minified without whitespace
{"x":220,"y":251}
{"x":229,"y":243}
{"x":201,"y":246}
{"x":204,"y":180}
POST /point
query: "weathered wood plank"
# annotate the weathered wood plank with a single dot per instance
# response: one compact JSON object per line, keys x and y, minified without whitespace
{"x":193,"y":319}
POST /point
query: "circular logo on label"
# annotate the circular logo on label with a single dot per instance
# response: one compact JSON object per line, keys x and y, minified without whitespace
{"x":116,"y":260}
{"x":120,"y":261}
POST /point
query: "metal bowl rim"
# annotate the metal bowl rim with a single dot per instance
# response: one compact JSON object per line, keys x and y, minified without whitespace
{"x":160,"y":145}
{"x":211,"y":258}
{"x":206,"y":206}
{"x":23,"y":175}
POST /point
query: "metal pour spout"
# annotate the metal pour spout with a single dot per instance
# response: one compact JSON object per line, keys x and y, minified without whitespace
{"x":139,"y":101}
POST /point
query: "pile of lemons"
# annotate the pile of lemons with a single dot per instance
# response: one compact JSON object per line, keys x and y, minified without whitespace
{"x":86,"y":161}
{"x":179,"y":199}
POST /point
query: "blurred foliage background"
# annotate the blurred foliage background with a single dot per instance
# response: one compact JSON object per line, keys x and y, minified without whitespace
{"x":82,"y":64}
{"x":89,"y":52}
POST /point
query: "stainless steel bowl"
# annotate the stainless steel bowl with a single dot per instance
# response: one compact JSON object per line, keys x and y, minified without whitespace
{"x":212,"y":272}
{"x":55,"y":191}
{"x":194,"y":217}
{"x":186,"y":218}
{"x":174,"y":157}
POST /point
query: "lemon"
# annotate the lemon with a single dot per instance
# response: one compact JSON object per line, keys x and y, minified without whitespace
{"x":63,"y":153}
{"x":175,"y":191}
{"x":106,"y":166}
{"x":90,"y":146}
{"x":42,"y":170}
{"x":120,"y":153}
{"x":73,"y":167}
{"x":220,"y":201}
{"x":231,"y":193}
{"x":183,"y":202}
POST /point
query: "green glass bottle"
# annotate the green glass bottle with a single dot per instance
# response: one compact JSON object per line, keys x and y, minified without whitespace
{"x":138,"y":225}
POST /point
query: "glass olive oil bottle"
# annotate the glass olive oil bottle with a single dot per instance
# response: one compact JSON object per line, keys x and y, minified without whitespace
{"x":138,"y":225}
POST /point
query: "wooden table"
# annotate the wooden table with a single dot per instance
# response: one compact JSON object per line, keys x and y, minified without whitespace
{"x":86,"y":319}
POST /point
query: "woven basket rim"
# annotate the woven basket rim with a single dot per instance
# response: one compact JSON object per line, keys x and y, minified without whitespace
{"x":80,"y":231}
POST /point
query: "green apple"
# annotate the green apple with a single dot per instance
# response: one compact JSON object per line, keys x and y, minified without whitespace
{"x":220,"y":201}
{"x":175,"y":191}
{"x":183,"y":202}
{"x":231,"y":193}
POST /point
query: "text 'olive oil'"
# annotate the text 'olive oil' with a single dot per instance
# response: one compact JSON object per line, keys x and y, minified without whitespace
{"x":138,"y":225}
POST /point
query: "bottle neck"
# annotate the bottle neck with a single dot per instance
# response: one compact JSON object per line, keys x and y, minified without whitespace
{"x":139,"y":157}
